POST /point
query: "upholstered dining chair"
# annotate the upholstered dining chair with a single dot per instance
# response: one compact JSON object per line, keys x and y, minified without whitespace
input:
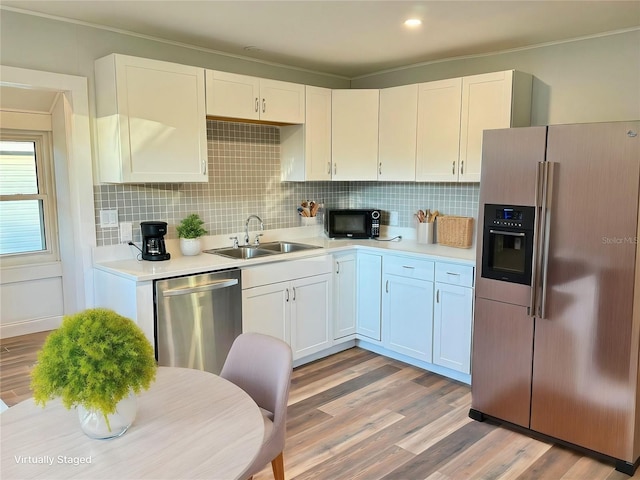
{"x":261,"y":365}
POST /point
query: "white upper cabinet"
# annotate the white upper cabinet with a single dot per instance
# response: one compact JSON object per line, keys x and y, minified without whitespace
{"x":233,"y":96}
{"x":397,"y":133}
{"x":243,"y":97}
{"x":489,"y":101}
{"x":354,"y":134}
{"x":452,"y":115}
{"x":305,"y":150}
{"x":438,"y":142}
{"x":281,"y":101}
{"x":150,"y":121}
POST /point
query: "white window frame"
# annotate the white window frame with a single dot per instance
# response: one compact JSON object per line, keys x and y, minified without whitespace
{"x":46,"y":193}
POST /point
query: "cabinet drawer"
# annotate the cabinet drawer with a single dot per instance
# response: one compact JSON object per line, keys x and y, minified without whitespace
{"x":408,"y":267}
{"x":454,"y":274}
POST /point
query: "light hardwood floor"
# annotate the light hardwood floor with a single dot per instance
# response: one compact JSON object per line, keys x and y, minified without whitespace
{"x":358,"y":415}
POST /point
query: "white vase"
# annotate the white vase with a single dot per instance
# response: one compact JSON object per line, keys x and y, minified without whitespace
{"x":190,"y":246}
{"x":94,"y":424}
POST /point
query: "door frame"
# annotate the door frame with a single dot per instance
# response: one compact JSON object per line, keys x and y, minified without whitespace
{"x":74,"y":186}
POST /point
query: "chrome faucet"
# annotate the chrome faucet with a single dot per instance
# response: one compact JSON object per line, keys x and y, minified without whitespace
{"x":246,"y":230}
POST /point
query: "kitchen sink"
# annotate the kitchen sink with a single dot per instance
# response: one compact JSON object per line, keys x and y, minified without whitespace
{"x":246,"y":252}
{"x":286,"y":247}
{"x":243,"y":253}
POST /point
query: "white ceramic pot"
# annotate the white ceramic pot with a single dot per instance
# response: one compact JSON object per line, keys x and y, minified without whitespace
{"x":190,"y":246}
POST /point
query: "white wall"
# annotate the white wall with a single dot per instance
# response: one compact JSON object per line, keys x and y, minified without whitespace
{"x":39,"y":43}
{"x":590,"y":80}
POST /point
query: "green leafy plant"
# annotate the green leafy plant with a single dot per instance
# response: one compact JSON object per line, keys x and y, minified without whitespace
{"x":191,"y":227}
{"x":94,"y":359}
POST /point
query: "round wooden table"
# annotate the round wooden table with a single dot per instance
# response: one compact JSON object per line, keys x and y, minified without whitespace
{"x":190,"y":424}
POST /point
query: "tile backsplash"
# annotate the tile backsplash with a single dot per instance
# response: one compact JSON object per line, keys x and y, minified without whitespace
{"x":244,"y":179}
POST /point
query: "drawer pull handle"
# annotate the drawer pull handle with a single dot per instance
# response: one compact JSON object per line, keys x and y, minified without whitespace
{"x":409,"y":267}
{"x":387,"y":287}
{"x":438,"y":296}
{"x":453,"y":273}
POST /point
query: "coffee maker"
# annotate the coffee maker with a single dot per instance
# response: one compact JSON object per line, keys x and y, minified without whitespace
{"x":153,"y":241}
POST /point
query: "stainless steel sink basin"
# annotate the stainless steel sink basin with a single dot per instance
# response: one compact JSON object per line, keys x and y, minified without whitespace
{"x":243,"y":253}
{"x":246,"y":252}
{"x":286,"y":247}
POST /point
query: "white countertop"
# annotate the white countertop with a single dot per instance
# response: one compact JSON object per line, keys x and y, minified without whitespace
{"x":178,"y":265}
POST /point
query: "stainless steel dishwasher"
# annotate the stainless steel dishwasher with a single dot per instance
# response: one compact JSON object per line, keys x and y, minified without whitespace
{"x":197,"y":319}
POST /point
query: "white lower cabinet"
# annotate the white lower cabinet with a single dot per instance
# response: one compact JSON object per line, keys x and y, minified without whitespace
{"x":368,"y":296}
{"x":310,"y":317}
{"x":266,"y":310}
{"x":296,"y":310}
{"x":407,"y":307}
{"x":452,"y":327}
{"x":453,"y":317}
{"x":344,"y":295}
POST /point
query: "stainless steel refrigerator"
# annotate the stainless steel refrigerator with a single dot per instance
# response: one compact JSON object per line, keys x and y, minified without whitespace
{"x":556,"y":336}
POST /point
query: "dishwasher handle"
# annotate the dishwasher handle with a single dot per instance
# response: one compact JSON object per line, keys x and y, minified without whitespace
{"x":223,"y":283}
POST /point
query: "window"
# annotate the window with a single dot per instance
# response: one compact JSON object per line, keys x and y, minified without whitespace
{"x":27,"y":200}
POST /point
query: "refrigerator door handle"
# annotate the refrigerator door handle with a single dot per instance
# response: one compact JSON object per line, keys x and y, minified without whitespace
{"x":547,"y":202}
{"x":536,"y":240}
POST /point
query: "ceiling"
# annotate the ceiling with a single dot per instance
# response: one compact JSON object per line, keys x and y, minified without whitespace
{"x":349,"y":38}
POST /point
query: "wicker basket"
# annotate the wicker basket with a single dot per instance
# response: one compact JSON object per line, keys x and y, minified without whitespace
{"x":455,"y":231}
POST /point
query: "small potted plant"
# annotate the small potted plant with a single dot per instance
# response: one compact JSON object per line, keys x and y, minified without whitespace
{"x":97,"y":360}
{"x":189,"y":232}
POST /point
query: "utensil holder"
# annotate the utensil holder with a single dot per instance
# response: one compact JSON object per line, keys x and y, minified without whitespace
{"x":425,"y":233}
{"x":305,"y":221}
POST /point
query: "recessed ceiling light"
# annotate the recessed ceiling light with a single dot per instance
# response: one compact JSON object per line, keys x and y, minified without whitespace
{"x":413,"y":22}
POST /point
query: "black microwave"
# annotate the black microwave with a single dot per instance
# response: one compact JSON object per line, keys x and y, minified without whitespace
{"x":352,"y":223}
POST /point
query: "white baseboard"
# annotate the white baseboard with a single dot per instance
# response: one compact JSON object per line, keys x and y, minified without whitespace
{"x":30,"y":326}
{"x":324,"y":353}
